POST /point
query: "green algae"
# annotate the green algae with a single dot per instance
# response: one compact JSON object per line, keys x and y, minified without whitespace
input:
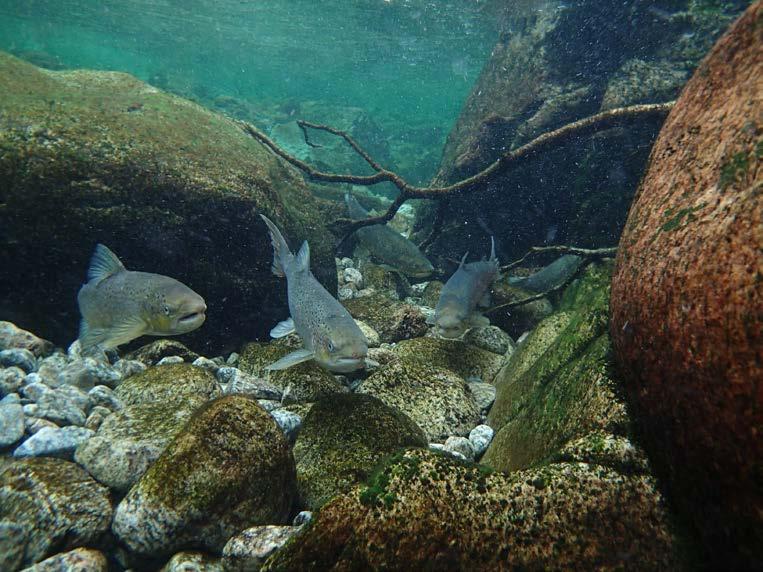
{"x":167,"y":383}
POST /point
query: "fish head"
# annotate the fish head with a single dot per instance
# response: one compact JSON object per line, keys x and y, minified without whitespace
{"x":450,"y":322}
{"x":419,"y":268}
{"x":340,"y":346}
{"x":175,"y":309}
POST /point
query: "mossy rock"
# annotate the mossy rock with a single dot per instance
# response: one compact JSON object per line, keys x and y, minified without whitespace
{"x":99,"y":156}
{"x":131,"y":439}
{"x":392,"y":319}
{"x":303,"y":382}
{"x":558,"y":384}
{"x":436,"y":399}
{"x":164,"y":383}
{"x":462,"y":359}
{"x":228,"y":469}
{"x":431,"y":294}
{"x":519,"y":319}
{"x":56,"y":504}
{"x":342,"y":439}
{"x":389,"y":282}
{"x":601,"y":448}
{"x":432,"y":512}
{"x":187,"y":561}
{"x":151,"y":353}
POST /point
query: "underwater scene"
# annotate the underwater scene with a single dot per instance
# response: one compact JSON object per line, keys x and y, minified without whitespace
{"x":381,"y":285}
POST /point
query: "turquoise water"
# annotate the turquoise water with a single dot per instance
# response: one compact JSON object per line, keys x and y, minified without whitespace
{"x":409,"y":65}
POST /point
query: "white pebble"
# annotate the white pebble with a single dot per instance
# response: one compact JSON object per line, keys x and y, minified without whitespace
{"x":353,"y":275}
{"x":480,"y":437}
{"x":460,"y":445}
{"x":170,"y":360}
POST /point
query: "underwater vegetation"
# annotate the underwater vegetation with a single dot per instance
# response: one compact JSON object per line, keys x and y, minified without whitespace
{"x":575,"y":400}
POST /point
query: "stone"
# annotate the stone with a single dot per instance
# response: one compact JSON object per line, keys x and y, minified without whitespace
{"x":484,"y":394}
{"x":687,"y":290}
{"x":392,"y":319}
{"x":481,"y":436}
{"x":11,"y":380}
{"x":343,"y":437}
{"x":206,"y":363}
{"x":188,"y":561}
{"x":58,"y":407}
{"x":462,"y":446}
{"x":88,"y":372}
{"x":17,"y":357}
{"x":245,"y":384}
{"x":290,"y":423}
{"x":50,"y":367}
{"x":372,"y":336}
{"x":13,"y":337}
{"x":13,"y":541}
{"x":558,"y":385}
{"x":519,"y":318}
{"x":303,"y":517}
{"x":58,"y":442}
{"x":193,"y":562}
{"x":167,"y":383}
{"x":228,"y":468}
{"x":76,"y":396}
{"x":153,"y":353}
{"x":127,"y":367}
{"x":77,"y":560}
{"x":490,"y":338}
{"x":103,"y":395}
{"x":129,"y":441}
{"x":34,"y":424}
{"x":385,"y":280}
{"x":430,"y":511}
{"x":345,"y":293}
{"x":303,"y":382}
{"x":354,"y":276}
{"x":248,"y":550}
{"x":170,"y":360}
{"x":436,"y":399}
{"x":469,"y":362}
{"x":11,"y":398}
{"x":11,"y":424}
{"x":605,"y":449}
{"x":57,"y":504}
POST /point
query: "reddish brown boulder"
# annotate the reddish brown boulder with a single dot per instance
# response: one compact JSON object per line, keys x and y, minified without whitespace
{"x":687,"y":299}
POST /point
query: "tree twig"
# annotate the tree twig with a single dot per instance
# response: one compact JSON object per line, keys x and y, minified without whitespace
{"x":345,"y":226}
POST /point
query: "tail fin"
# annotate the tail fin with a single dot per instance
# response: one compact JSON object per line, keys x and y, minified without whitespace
{"x":282,"y":256}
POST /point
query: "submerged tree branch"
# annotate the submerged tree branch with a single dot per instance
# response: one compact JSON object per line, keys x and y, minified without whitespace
{"x":345,"y":226}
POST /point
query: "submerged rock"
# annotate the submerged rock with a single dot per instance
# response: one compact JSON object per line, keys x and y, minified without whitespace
{"x":433,"y":512}
{"x":687,"y":300}
{"x":342,"y":439}
{"x":56,"y":504}
{"x":158,"y":177}
{"x":54,"y":442}
{"x":467,"y":361}
{"x":230,"y":467}
{"x":193,"y":562}
{"x":392,"y":319}
{"x":77,"y":560}
{"x":11,"y":336}
{"x":11,"y":423}
{"x":248,"y":551}
{"x":168,"y":383}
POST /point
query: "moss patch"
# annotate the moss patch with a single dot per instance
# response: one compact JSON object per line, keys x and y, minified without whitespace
{"x":164,"y":383}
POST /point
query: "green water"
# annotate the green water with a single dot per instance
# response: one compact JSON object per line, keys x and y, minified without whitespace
{"x":409,"y":65}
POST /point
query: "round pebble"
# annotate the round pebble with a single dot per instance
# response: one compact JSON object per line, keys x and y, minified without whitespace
{"x":17,"y":357}
{"x":480,"y":437}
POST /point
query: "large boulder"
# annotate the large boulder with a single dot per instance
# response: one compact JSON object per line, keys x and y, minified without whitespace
{"x":95,"y":156}
{"x":167,"y":383}
{"x":228,"y":469}
{"x":50,"y":505}
{"x":342,"y":439}
{"x":558,"y":384}
{"x":555,"y":63}
{"x":425,"y":511}
{"x":687,"y":301}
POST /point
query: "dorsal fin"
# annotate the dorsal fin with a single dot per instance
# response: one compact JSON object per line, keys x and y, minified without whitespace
{"x":463,"y":260}
{"x":303,"y":257}
{"x":492,"y":248}
{"x":103,"y":264}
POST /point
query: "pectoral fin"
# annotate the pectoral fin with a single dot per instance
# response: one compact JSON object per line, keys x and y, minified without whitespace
{"x":291,"y":359}
{"x":282,"y":329}
{"x":111,"y":337}
{"x":478,"y":321}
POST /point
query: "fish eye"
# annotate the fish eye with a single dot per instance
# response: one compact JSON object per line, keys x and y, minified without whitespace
{"x":166,"y":309}
{"x":330,"y":346}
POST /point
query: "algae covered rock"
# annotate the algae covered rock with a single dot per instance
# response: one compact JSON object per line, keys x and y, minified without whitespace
{"x":392,"y":319}
{"x":152,"y":353}
{"x":77,"y":560}
{"x":342,"y":439}
{"x":248,"y":551}
{"x":432,"y":512}
{"x":193,"y":562}
{"x":558,"y":384}
{"x":436,"y":399}
{"x":100,"y":156}
{"x":229,"y":468}
{"x":306,"y":381}
{"x":54,"y":504}
{"x":518,"y":319}
{"x":465,"y":360}
{"x":128,"y":441}
{"x":165,"y":383}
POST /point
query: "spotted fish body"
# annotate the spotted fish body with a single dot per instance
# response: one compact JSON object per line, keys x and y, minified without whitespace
{"x":329,"y":334}
{"x":118,"y":305}
{"x":389,"y":246}
{"x":456,"y":308}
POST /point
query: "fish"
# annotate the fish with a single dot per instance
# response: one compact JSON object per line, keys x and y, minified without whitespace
{"x":119,"y":305}
{"x":456,"y":310}
{"x":549,"y":276}
{"x":388,"y":246}
{"x":329,"y":334}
